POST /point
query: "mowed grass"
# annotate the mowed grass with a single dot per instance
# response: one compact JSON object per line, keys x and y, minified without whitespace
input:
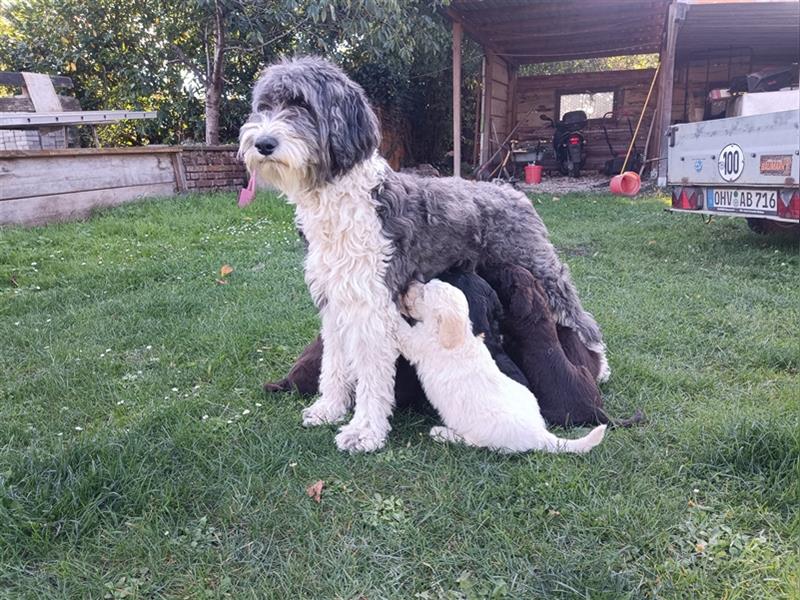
{"x":139,"y":458}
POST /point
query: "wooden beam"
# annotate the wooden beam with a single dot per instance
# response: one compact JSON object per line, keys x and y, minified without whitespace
{"x":154,"y":149}
{"x":511,"y":107}
{"x":457,"y":35}
{"x":473,"y":31}
{"x":486,"y":105}
{"x":675,"y":17}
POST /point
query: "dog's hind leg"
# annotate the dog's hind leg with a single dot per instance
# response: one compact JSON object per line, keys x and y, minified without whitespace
{"x":335,"y":380}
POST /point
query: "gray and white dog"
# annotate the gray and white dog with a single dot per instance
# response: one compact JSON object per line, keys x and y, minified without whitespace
{"x":371,"y":232}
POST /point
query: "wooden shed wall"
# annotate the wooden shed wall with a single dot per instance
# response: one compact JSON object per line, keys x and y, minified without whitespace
{"x":496,"y":94}
{"x":539,"y":95}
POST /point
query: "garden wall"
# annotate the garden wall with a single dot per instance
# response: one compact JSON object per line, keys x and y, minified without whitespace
{"x":212,"y":168}
{"x":41,"y":186}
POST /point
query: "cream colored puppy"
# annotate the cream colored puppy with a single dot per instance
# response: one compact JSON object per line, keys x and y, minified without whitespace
{"x":479,"y":405}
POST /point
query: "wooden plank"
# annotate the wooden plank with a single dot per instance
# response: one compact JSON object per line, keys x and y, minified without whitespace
{"x":180,"y":172}
{"x":15,"y":79}
{"x":676,"y":16}
{"x":457,"y":34}
{"x":152,"y":149}
{"x":486,"y":124}
{"x":62,"y":207}
{"x":40,"y":90}
{"x":23,"y":104}
{"x":24,"y":177}
{"x":23,"y":120}
{"x":500,"y":91}
{"x":511,"y":113}
{"x":499,"y":69}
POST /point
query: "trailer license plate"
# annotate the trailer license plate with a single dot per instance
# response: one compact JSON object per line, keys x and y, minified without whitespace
{"x":743,"y":201}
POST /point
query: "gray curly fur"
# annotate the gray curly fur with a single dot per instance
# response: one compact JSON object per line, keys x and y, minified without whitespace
{"x":437,"y":223}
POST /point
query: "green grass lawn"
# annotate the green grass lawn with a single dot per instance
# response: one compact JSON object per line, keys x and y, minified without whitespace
{"x":139,"y":458}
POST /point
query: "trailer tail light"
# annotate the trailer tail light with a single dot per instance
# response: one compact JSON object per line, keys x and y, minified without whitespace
{"x":686,"y":198}
{"x":574,"y":140}
{"x":789,"y":204}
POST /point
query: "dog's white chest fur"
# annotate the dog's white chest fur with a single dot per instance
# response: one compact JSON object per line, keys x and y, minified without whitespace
{"x":347,"y":251}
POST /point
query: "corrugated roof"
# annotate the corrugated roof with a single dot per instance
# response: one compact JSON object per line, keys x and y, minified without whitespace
{"x":533,"y":31}
{"x":767,"y":29}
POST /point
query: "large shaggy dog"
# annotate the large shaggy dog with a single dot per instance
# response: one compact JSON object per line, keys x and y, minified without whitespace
{"x":370,"y":231}
{"x":478,"y":404}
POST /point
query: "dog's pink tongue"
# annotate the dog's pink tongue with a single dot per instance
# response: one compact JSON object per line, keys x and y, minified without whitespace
{"x":247,"y":194}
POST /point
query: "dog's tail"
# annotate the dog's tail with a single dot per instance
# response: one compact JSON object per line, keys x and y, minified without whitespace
{"x":552,"y":443}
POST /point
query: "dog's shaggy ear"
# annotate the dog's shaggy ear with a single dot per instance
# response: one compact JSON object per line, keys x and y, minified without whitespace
{"x":451,"y":328}
{"x":349,"y":131}
{"x":353,"y":128}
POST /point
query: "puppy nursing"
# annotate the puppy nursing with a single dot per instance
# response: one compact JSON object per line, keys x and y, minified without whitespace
{"x":478,"y":404}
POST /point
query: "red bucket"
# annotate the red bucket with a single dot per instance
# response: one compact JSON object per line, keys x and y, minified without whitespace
{"x":533,"y":174}
{"x":626,"y":184}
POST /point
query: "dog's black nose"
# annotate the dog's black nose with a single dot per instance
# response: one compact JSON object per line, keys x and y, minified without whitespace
{"x":266,"y":145}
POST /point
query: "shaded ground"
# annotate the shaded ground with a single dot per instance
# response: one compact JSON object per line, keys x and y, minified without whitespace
{"x":139,"y":459}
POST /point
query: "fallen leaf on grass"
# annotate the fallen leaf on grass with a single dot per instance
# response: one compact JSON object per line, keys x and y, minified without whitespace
{"x":314,"y":491}
{"x":222,"y":282}
{"x":225,"y":270}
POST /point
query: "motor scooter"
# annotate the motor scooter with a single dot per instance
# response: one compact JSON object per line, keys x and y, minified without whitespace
{"x":568,"y":141}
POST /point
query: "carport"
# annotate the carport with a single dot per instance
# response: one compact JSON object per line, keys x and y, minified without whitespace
{"x":702,"y":44}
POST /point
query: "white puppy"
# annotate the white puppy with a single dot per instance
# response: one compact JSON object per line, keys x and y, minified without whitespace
{"x":479,"y":405}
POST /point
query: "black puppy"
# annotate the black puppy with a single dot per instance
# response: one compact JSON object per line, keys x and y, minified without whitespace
{"x":485,"y":312}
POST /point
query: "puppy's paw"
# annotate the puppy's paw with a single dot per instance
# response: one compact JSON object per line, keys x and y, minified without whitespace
{"x":323,"y":412}
{"x":357,"y":438}
{"x":443,"y":434}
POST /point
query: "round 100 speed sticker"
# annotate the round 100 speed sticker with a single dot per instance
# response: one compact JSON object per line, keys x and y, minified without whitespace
{"x":731,"y":162}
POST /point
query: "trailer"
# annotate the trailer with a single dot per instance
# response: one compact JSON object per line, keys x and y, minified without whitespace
{"x":742,"y":166}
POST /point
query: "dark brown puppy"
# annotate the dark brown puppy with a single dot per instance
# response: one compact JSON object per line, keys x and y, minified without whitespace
{"x":567,"y":394}
{"x":577,"y":352}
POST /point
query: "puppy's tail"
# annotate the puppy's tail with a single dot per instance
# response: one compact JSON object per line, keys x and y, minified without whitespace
{"x":579,"y":446}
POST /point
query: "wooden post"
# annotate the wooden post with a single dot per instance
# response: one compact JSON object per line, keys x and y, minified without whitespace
{"x":675,"y":17}
{"x":486,"y":131}
{"x":457,"y":34}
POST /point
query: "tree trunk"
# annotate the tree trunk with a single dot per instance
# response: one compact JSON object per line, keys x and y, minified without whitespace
{"x":214,"y":78}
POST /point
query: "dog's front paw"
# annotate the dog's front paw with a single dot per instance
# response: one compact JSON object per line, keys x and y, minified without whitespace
{"x":354,"y":438}
{"x":323,"y":412}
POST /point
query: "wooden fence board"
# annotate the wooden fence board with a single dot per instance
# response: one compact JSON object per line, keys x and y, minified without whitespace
{"x":26,"y":177}
{"x":62,"y":207}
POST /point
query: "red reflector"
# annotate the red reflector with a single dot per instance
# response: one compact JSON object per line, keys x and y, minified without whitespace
{"x":789,"y":204}
{"x":687,"y":198}
{"x":574,"y":140}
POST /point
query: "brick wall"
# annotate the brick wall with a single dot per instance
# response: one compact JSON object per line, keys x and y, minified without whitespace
{"x":212,"y":168}
{"x":31,"y":139}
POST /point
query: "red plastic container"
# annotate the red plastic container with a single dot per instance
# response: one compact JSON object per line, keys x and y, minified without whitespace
{"x":533,"y":174}
{"x":626,"y":184}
